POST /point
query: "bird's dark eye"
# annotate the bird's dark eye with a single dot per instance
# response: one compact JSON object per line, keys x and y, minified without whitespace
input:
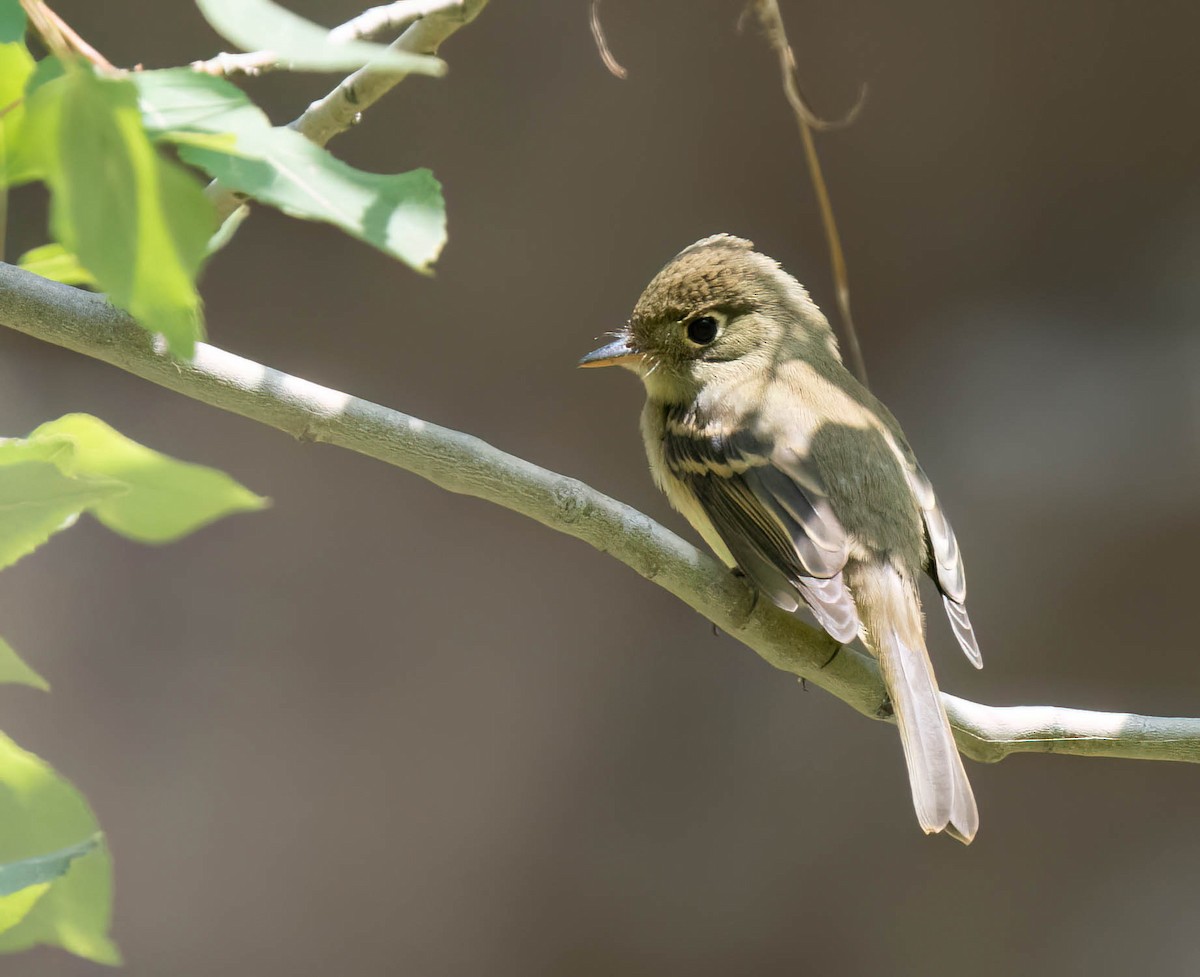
{"x":702,"y":330}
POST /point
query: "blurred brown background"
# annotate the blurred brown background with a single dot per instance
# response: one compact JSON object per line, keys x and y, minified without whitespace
{"x":381,"y":729}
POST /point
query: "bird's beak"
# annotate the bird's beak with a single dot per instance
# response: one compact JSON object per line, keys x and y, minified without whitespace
{"x":619,"y":352}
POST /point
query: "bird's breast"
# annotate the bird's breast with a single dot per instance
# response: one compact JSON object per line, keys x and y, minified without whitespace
{"x":655,"y":418}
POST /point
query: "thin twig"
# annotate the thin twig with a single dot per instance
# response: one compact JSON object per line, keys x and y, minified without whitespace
{"x":772,"y":22}
{"x":457,"y":462}
{"x":249,"y":63}
{"x":46,"y":27}
{"x":837,"y":259}
{"x":76,"y":42}
{"x":343,"y":106}
{"x":60,"y":37}
{"x":606,"y":55}
{"x":390,"y":16}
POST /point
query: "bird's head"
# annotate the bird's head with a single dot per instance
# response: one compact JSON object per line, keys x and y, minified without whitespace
{"x":718,"y":310}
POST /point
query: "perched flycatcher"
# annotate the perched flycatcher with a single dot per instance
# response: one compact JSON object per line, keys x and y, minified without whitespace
{"x":793,"y":472}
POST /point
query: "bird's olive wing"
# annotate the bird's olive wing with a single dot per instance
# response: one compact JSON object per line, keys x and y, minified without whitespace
{"x":945,"y":562}
{"x":771,"y":511}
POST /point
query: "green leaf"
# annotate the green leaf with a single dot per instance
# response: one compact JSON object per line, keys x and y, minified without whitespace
{"x":14,"y":671}
{"x":166,"y":499}
{"x":16,"y":907}
{"x":403,"y":215}
{"x":12,"y":22}
{"x":299,"y":44}
{"x":222,"y":142}
{"x":137,"y":222}
{"x":41,"y":869}
{"x":44,"y":72}
{"x":16,"y":65}
{"x":27,"y":140}
{"x":55,"y":262}
{"x":39,"y":813}
{"x":175,"y":99}
{"x":37,"y":500}
{"x":57,"y":450}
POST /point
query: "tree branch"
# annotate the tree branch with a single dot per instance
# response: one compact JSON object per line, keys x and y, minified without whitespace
{"x":388,"y":17}
{"x":391,"y":16}
{"x":62,"y":32}
{"x":340,"y":109}
{"x":343,"y":106}
{"x":86,"y":323}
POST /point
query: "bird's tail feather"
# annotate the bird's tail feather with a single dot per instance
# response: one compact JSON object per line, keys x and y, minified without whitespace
{"x":941,"y":792}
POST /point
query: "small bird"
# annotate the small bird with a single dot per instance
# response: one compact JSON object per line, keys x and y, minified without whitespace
{"x":794,"y":474}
